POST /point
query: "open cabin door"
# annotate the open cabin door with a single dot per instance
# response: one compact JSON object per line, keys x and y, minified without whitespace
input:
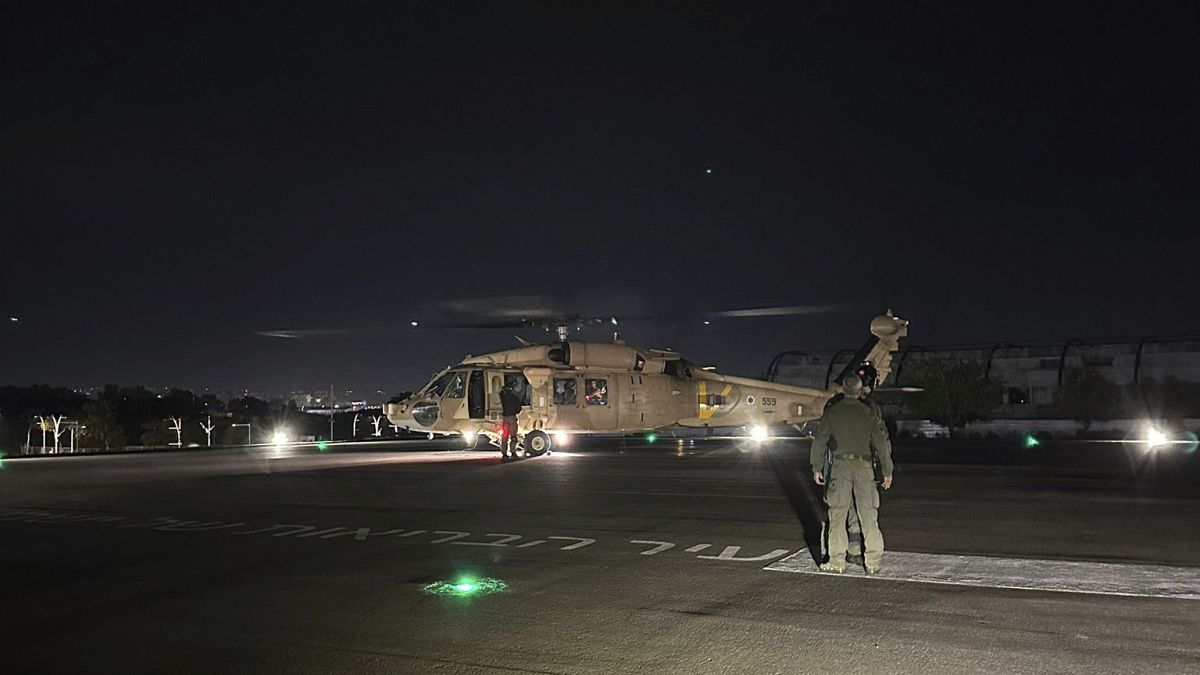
{"x":477,"y":396}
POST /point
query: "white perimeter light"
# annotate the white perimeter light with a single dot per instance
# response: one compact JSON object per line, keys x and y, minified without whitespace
{"x":758,"y":433}
{"x":1155,"y":438}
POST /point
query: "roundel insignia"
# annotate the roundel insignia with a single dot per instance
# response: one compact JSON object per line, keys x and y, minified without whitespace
{"x":750,"y":400}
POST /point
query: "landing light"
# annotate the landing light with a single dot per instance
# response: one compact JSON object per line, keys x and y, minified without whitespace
{"x":469,"y":437}
{"x":1155,"y":438}
{"x":758,"y":433}
{"x":561,"y":437}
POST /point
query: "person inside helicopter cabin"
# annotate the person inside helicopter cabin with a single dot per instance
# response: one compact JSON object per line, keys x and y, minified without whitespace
{"x":596,"y":392}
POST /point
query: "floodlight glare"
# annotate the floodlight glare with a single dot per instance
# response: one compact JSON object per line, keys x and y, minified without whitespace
{"x":469,"y":437}
{"x":561,"y":437}
{"x":758,"y":433}
{"x":280,"y":437}
{"x":1155,"y":438}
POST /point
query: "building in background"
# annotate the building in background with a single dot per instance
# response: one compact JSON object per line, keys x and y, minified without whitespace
{"x":1031,"y":373}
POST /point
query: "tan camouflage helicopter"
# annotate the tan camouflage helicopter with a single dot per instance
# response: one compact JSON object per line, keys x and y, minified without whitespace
{"x":572,"y":388}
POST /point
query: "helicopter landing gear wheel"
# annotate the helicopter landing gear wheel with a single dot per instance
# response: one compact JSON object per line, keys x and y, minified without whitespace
{"x":536,"y":443}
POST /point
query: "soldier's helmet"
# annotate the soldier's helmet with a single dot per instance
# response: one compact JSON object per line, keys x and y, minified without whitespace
{"x":851,"y":387}
{"x":868,"y":375}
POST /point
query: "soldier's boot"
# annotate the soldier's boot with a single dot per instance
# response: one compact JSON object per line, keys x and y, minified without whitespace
{"x":874,"y":569}
{"x":832,"y":567}
{"x":854,"y":559}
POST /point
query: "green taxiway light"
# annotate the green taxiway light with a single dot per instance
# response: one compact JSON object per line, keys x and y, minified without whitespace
{"x":322,"y":446}
{"x":464,"y":587}
{"x":650,"y":438}
{"x":1031,"y":441}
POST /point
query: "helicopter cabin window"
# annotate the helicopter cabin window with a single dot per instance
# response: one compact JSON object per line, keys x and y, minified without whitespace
{"x":458,"y":385}
{"x":714,"y":399}
{"x":564,"y":391}
{"x":596,"y":392}
{"x":519,"y":385}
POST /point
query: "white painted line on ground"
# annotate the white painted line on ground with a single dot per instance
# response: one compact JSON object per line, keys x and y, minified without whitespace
{"x":1058,"y":576}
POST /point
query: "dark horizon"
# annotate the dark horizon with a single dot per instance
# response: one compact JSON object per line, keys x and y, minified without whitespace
{"x":178,"y":178}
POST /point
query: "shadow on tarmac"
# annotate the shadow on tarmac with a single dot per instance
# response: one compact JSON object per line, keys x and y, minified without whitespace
{"x":802,"y":495}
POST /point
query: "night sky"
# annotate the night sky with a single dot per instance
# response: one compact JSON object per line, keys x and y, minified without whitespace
{"x":176,"y":177}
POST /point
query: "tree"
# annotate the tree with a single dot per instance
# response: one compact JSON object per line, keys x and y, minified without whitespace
{"x":955,"y":392}
{"x":1086,"y":395}
{"x":102,"y":427}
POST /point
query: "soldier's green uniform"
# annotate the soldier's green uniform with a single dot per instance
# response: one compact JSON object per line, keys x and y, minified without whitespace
{"x":854,"y":537}
{"x":853,"y":427}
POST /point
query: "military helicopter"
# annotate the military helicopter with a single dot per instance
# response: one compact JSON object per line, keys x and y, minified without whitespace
{"x":572,"y":387}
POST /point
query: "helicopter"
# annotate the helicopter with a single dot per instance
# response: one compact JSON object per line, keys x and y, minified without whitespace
{"x":570,"y":388}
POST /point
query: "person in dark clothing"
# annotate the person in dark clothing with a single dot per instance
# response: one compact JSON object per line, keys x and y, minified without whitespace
{"x":510,"y":407}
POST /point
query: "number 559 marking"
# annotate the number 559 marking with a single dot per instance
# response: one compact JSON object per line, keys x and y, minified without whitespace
{"x":768,"y":401}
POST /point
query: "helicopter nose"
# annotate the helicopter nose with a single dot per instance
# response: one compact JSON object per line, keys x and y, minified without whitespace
{"x":413,"y":414}
{"x":399,"y":414}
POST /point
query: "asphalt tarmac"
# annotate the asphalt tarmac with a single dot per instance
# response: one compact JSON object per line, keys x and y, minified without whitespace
{"x":679,"y":557}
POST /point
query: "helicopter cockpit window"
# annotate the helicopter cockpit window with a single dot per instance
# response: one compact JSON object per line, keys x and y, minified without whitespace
{"x":564,"y":391}
{"x":678,"y":368}
{"x":434,"y":389}
{"x":596,"y":392}
{"x":458,"y":385}
{"x":639,"y":363}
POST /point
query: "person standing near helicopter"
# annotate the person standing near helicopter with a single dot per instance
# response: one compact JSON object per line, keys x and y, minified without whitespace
{"x":869,"y":377}
{"x":848,"y":432}
{"x":510,"y":407}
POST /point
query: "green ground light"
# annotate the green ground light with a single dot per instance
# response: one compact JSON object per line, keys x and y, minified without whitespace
{"x":466,"y":587}
{"x":322,"y":446}
{"x":1031,"y":441}
{"x":650,"y":438}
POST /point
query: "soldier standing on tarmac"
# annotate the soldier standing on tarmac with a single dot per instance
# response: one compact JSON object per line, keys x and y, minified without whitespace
{"x":852,"y":429}
{"x":869,"y":377}
{"x":510,"y":407}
